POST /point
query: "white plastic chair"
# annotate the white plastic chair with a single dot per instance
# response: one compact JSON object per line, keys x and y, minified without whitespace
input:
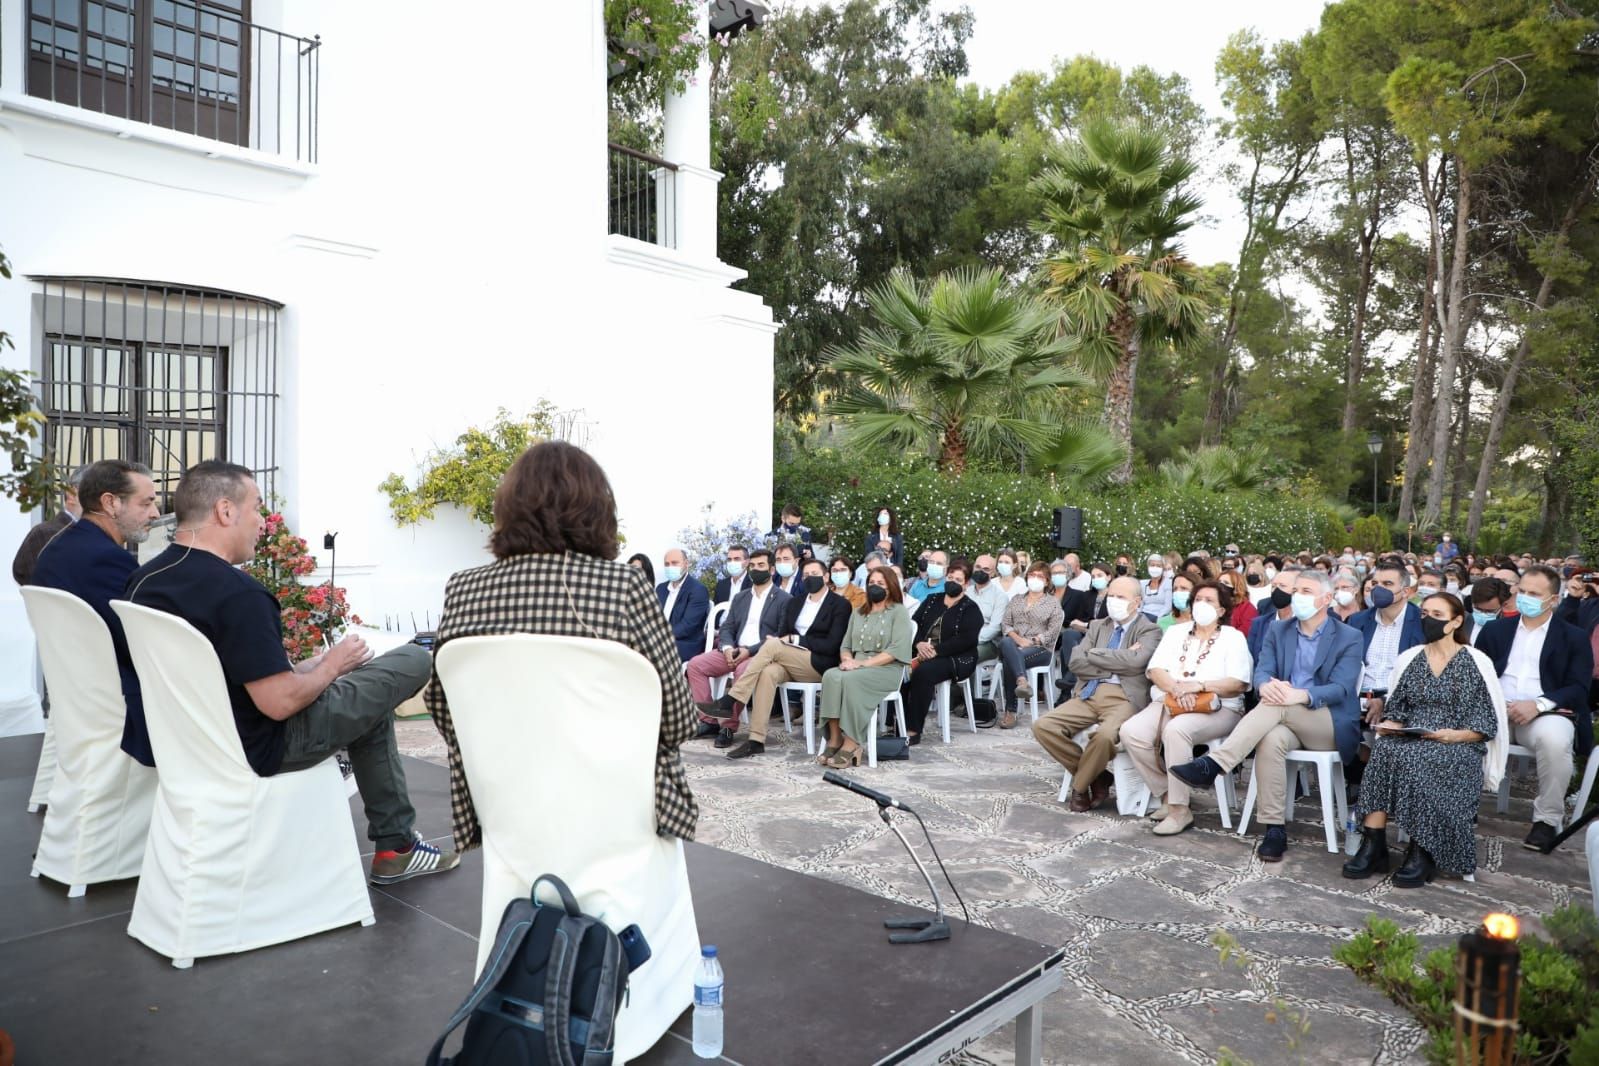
{"x":1578,"y":802}
{"x":1132,"y":792}
{"x":988,"y":673}
{"x":809,"y":693}
{"x":943,"y":695}
{"x":45,"y":775}
{"x":234,"y":861}
{"x":529,"y":759}
{"x":1330,"y":784}
{"x":713,"y":622}
{"x":98,"y":807}
{"x":1042,"y":680}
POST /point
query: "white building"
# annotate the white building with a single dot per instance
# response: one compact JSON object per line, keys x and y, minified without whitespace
{"x":369,"y":227}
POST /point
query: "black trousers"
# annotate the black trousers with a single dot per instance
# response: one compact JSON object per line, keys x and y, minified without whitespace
{"x":919,"y":691}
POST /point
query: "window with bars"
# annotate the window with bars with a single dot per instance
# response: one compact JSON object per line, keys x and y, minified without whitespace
{"x":162,"y":375}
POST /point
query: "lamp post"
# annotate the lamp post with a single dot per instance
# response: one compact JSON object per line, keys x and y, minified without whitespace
{"x":1486,"y":992}
{"x":1374,"y":446}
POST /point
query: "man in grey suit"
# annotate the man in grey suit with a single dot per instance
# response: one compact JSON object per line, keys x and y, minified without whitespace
{"x":756,"y":613}
{"x":1111,"y":687}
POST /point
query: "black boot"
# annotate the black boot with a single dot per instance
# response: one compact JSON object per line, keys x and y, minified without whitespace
{"x":1372,"y":858}
{"x":1417,"y":870}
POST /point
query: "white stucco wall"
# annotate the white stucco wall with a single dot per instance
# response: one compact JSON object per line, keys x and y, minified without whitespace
{"x":447,"y":256}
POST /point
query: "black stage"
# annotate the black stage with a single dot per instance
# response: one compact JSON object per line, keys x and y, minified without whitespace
{"x":811,"y":977}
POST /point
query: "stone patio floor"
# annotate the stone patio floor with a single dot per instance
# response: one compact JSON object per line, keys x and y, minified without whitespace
{"x":1135,"y":912}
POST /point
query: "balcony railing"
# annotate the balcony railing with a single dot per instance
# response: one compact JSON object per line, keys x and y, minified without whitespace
{"x":195,"y":67}
{"x":643,"y":197}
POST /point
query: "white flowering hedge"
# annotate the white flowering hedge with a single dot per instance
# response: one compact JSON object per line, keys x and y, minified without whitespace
{"x":987,"y":510}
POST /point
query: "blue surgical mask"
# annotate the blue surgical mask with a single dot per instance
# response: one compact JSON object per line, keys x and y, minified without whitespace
{"x":935,"y":572}
{"x":785,"y":569}
{"x":1179,"y":600}
{"x":1304,"y":605}
{"x":1006,"y":569}
{"x":673,"y":573}
{"x":1482,"y":618}
{"x":1058,"y":580}
{"x":1101,"y":582}
{"x":734,"y":568}
{"x":840,"y":578}
{"x":1530,"y":606}
{"x":882,"y":518}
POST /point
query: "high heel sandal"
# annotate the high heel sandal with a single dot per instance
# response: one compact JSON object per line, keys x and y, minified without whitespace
{"x":842,"y":758}
{"x":826,"y":756}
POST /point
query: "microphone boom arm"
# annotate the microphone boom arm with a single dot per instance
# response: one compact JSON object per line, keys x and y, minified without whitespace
{"x":920,"y":930}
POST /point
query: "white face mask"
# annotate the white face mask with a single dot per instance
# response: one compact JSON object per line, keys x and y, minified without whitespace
{"x":882,"y":518}
{"x":1035,"y":584}
{"x":1205,"y":613}
{"x":1118,"y":608}
{"x":1155,"y":572}
{"x":1271,"y":572}
{"x":1344,"y":597}
{"x":1079,"y":582}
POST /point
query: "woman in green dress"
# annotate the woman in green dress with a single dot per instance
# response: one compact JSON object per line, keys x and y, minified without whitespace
{"x":872,"y":663}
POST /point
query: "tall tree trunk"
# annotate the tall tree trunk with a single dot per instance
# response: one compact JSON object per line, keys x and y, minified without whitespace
{"x":952,"y":449}
{"x":1507,"y":390}
{"x":1458,"y":450}
{"x":1420,"y":396}
{"x":1356,"y":367}
{"x":1451,"y":300}
{"x":1119,"y":390}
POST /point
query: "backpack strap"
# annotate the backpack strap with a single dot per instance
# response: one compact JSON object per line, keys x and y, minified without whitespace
{"x":506,"y":947}
{"x":559,"y":971}
{"x":602,"y":1025}
{"x":568,"y":900}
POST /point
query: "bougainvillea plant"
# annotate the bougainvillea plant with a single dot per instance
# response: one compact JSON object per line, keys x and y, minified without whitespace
{"x":314,"y":616}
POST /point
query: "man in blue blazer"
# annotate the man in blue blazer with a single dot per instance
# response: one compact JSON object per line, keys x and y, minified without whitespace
{"x":88,"y":560}
{"x":686,"y":604}
{"x":1308,"y":677}
{"x":1280,"y":608}
{"x":1544,"y":667}
{"x":1390,"y":626}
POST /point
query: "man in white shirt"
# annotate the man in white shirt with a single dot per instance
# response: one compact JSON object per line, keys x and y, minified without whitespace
{"x":1390,"y":626}
{"x":685,"y":603}
{"x":991,"y":599}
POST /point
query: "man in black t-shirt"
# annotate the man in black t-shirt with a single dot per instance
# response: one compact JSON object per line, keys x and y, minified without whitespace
{"x":289,"y":717}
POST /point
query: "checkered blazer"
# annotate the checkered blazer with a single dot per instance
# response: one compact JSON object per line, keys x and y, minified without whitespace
{"x":524,"y":594}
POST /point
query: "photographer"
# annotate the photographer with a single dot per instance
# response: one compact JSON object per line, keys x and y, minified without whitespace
{"x":1580,"y":606}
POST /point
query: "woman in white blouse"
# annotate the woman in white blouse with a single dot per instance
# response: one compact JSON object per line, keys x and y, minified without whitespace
{"x":1202,"y":662}
{"x":1010,"y":573}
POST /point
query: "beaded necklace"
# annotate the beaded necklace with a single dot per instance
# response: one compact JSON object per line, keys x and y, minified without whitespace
{"x":1182,"y":659}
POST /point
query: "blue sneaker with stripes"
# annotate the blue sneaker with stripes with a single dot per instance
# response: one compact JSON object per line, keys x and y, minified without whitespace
{"x":392,"y":867}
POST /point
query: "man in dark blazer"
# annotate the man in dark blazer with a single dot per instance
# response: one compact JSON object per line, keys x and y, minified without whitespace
{"x":89,"y":561}
{"x":806,"y":647}
{"x":732,"y":581}
{"x":686,"y":604}
{"x":1389,"y":627}
{"x":786,"y":570}
{"x":43,"y":533}
{"x":1278,"y":607}
{"x":1544,"y":667}
{"x":1308,"y":676}
{"x":756,"y":613}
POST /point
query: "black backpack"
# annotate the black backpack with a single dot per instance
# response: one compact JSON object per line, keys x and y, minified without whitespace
{"x":549,"y":993}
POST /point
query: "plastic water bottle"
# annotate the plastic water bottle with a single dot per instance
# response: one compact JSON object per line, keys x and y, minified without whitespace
{"x":708,"y":1005}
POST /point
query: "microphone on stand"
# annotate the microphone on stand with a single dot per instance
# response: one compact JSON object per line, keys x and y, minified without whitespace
{"x":920,"y":930}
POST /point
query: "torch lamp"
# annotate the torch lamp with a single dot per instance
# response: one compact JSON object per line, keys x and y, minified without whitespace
{"x":1486,"y":993}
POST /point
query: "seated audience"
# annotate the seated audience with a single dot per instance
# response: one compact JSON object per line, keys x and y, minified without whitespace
{"x":1580,"y":606}
{"x":733,"y":580}
{"x":1110,"y":665}
{"x":291,"y":717}
{"x":1182,"y":592}
{"x":1023,"y":560}
{"x":1308,"y":677}
{"x":785,"y":567}
{"x":876,"y":649}
{"x":931,"y":581}
{"x":1430,"y":784}
{"x":1009,"y":575}
{"x":992,"y":601}
{"x":791,"y":529}
{"x":28,"y":551}
{"x":1429,"y":582}
{"x":1242,"y":613}
{"x":910,"y":603}
{"x":756,"y":613}
{"x":1279,"y":608}
{"x":1031,"y":627}
{"x":685,"y":603}
{"x":1200,"y":671}
{"x":1544,"y":667}
{"x":1156,"y":592}
{"x":805,"y":647}
{"x":885,"y":537}
{"x":841,"y":576}
{"x":948,"y":627}
{"x":1489,"y":598}
{"x":640,"y":561}
{"x":87,"y":559}
{"x":1346,"y":595}
{"x":1391,"y":625}
{"x":871,"y":561}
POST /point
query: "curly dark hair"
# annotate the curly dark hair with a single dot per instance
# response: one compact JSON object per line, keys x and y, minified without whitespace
{"x":1226,"y":597}
{"x":555,"y":498}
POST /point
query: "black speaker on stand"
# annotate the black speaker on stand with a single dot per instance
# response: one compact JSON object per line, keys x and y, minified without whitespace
{"x":1067,"y":532}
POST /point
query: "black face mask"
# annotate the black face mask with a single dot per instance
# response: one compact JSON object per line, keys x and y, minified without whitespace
{"x":1121,"y":571}
{"x":1432,"y":629}
{"x":980,"y":577}
{"x":953,"y":589}
{"x":814,"y":584}
{"x":760,"y":577}
{"x":1253,"y":579}
{"x":876,"y":593}
{"x":921,"y":566}
{"x":1281,"y":598}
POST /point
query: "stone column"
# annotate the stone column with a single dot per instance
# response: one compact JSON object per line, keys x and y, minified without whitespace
{"x":687,"y":142}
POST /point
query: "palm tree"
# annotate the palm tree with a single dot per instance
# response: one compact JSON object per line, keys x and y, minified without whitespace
{"x":964,"y":368}
{"x":1218,"y":468}
{"x":1114,"y":208}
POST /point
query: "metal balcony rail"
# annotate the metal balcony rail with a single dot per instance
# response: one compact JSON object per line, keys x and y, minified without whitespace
{"x":642,"y":197}
{"x":195,"y":67}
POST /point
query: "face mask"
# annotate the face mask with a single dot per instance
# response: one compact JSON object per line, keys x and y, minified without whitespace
{"x":953,"y":589}
{"x":1179,"y":600}
{"x":1117,"y":608}
{"x":1253,"y":579}
{"x":734,"y":568}
{"x":673,"y":573}
{"x":760,"y":577}
{"x":980,"y":578}
{"x":1344,"y":597}
{"x":1006,"y":569}
{"x":814,"y":584}
{"x":1100,"y":583}
{"x":876,"y":593}
{"x":1079,"y":582}
{"x":1281,"y":598}
{"x":1437,"y":560}
{"x":921,"y":566}
{"x":840,"y":578}
{"x":1304,"y":604}
{"x":1035,"y":584}
{"x":1347,"y":560}
{"x":1121,"y":571}
{"x":1381,"y":597}
{"x":785,"y":570}
{"x":1058,"y":580}
{"x":1155,"y":572}
{"x":1271,"y":572}
{"x":1360,"y":568}
{"x":935,"y":572}
{"x":1205,"y":614}
{"x":1482,"y":618}
{"x":882,"y":518}
{"x":792,"y":528}
{"x":1432,"y":629}
{"x":1529,"y":606}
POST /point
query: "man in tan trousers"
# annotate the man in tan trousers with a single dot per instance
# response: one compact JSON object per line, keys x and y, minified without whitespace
{"x":1111,"y":687}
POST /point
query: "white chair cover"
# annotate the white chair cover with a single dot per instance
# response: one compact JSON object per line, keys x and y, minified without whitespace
{"x":99,"y":800}
{"x":235,"y":861}
{"x":558,"y":739}
{"x":45,"y":775}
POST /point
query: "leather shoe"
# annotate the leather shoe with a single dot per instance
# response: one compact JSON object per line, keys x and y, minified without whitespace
{"x":724,"y":738}
{"x":1417,"y":870}
{"x":1273,"y":844}
{"x":707,"y":729}
{"x":746,"y":749}
{"x":1541,"y":835}
{"x":1081,"y":802}
{"x":1200,"y":774}
{"x":1101,"y":788}
{"x":1371,"y":858}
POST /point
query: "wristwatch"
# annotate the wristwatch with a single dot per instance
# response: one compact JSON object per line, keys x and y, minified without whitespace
{"x":1544,"y":704}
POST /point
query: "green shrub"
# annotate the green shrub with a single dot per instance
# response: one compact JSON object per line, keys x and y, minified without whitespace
{"x":1371,"y":534}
